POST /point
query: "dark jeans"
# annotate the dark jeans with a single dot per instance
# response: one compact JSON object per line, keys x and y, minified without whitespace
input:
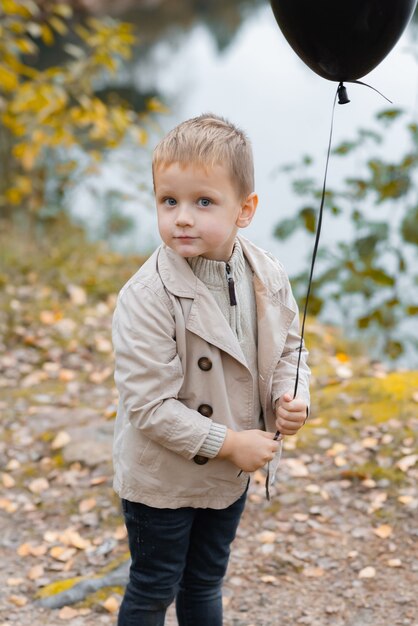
{"x":177,"y":553}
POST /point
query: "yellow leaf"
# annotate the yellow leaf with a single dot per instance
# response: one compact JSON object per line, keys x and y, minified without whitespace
{"x":8,"y":79}
{"x":154,"y":105}
{"x":62,"y":9}
{"x":26,"y":46}
{"x":47,"y":35}
{"x":58,"y":25}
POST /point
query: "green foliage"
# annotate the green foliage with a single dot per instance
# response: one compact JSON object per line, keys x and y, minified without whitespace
{"x":369,"y":271}
{"x":49,"y":117}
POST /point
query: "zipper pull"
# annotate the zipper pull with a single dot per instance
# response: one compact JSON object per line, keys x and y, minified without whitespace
{"x":231,"y":285}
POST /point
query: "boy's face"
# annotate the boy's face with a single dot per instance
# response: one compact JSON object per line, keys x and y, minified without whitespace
{"x":199,"y":210}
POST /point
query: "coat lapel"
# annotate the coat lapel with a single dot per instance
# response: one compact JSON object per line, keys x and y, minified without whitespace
{"x":205,"y":319}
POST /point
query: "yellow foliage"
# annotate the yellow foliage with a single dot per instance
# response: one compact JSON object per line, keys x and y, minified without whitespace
{"x":8,"y":79}
{"x":44,"y":110}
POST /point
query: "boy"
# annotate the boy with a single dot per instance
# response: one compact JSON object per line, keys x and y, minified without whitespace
{"x":206,"y":346}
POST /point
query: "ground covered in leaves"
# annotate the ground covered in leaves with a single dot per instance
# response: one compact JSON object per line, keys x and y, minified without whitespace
{"x":337,"y":543}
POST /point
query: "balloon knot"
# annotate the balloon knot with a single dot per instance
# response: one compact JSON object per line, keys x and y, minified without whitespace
{"x":342,"y":94}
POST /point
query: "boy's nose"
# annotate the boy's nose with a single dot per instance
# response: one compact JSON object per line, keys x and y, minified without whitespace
{"x":184,"y":217}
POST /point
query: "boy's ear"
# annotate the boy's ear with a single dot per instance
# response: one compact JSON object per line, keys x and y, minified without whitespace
{"x":248,"y":209}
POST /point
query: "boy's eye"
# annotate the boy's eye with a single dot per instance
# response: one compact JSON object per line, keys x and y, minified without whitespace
{"x":204,"y":202}
{"x":170,"y":201}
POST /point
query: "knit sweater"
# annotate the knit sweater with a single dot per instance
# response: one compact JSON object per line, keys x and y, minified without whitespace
{"x":242,"y":318}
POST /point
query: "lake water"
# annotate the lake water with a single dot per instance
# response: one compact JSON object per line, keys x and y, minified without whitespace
{"x":259,"y":83}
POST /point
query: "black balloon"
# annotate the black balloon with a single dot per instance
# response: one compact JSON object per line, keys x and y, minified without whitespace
{"x":342,"y":40}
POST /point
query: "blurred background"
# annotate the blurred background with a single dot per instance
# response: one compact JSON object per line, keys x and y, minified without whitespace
{"x":88,"y":88}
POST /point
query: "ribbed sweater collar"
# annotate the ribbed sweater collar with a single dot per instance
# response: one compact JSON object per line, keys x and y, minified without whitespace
{"x":213,"y":273}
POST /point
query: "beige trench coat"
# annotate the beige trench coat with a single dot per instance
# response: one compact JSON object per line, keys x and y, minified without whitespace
{"x":175,"y":352}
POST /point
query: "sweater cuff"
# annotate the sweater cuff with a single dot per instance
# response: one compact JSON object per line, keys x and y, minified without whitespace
{"x":214,"y":441}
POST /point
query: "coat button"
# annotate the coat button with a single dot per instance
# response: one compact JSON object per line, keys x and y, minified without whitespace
{"x":200,"y":460}
{"x":205,"y":363}
{"x":205,"y":410}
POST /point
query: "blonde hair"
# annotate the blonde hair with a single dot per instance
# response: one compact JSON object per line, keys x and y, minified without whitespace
{"x":209,"y":140}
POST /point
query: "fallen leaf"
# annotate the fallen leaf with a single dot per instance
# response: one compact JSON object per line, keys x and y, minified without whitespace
{"x":23,"y":549}
{"x":67,"y":613}
{"x":66,"y":375}
{"x":34,"y":378}
{"x":8,"y":481}
{"x":340,"y":461}
{"x":312,"y":488}
{"x":78,"y":295}
{"x":336,"y":449}
{"x":406,"y":499}
{"x":120,"y":533}
{"x":313,"y":572}
{"x":74,"y":539}
{"x":13,"y":464}
{"x":384,"y":531}
{"x":387,"y":438}
{"x":296,"y":468}
{"x":62,"y":439}
{"x":367,"y":572}
{"x":369,"y":442}
{"x":98,"y":480}
{"x":50,"y":536}
{"x":18,"y":600}
{"x":377,"y":502}
{"x":369,"y":483}
{"x":39,"y":485}
{"x":407,"y":462}
{"x":8,"y":505}
{"x":268,"y":578}
{"x":59,"y":553}
{"x":267,"y":536}
{"x":103,"y":344}
{"x":49,"y":317}
{"x":36,"y":572}
{"x":87,"y":505}
{"x":14,"y":582}
{"x":111,"y":604}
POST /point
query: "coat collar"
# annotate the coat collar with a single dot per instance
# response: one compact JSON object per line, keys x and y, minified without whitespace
{"x":180,"y":280}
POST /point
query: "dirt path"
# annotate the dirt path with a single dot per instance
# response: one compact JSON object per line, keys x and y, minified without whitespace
{"x":337,"y":544}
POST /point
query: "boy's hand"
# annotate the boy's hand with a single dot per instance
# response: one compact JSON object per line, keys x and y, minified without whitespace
{"x":248,"y":449}
{"x":291,"y":414}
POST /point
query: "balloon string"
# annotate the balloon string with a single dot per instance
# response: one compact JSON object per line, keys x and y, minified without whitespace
{"x":314,"y":253}
{"x":359,"y":82}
